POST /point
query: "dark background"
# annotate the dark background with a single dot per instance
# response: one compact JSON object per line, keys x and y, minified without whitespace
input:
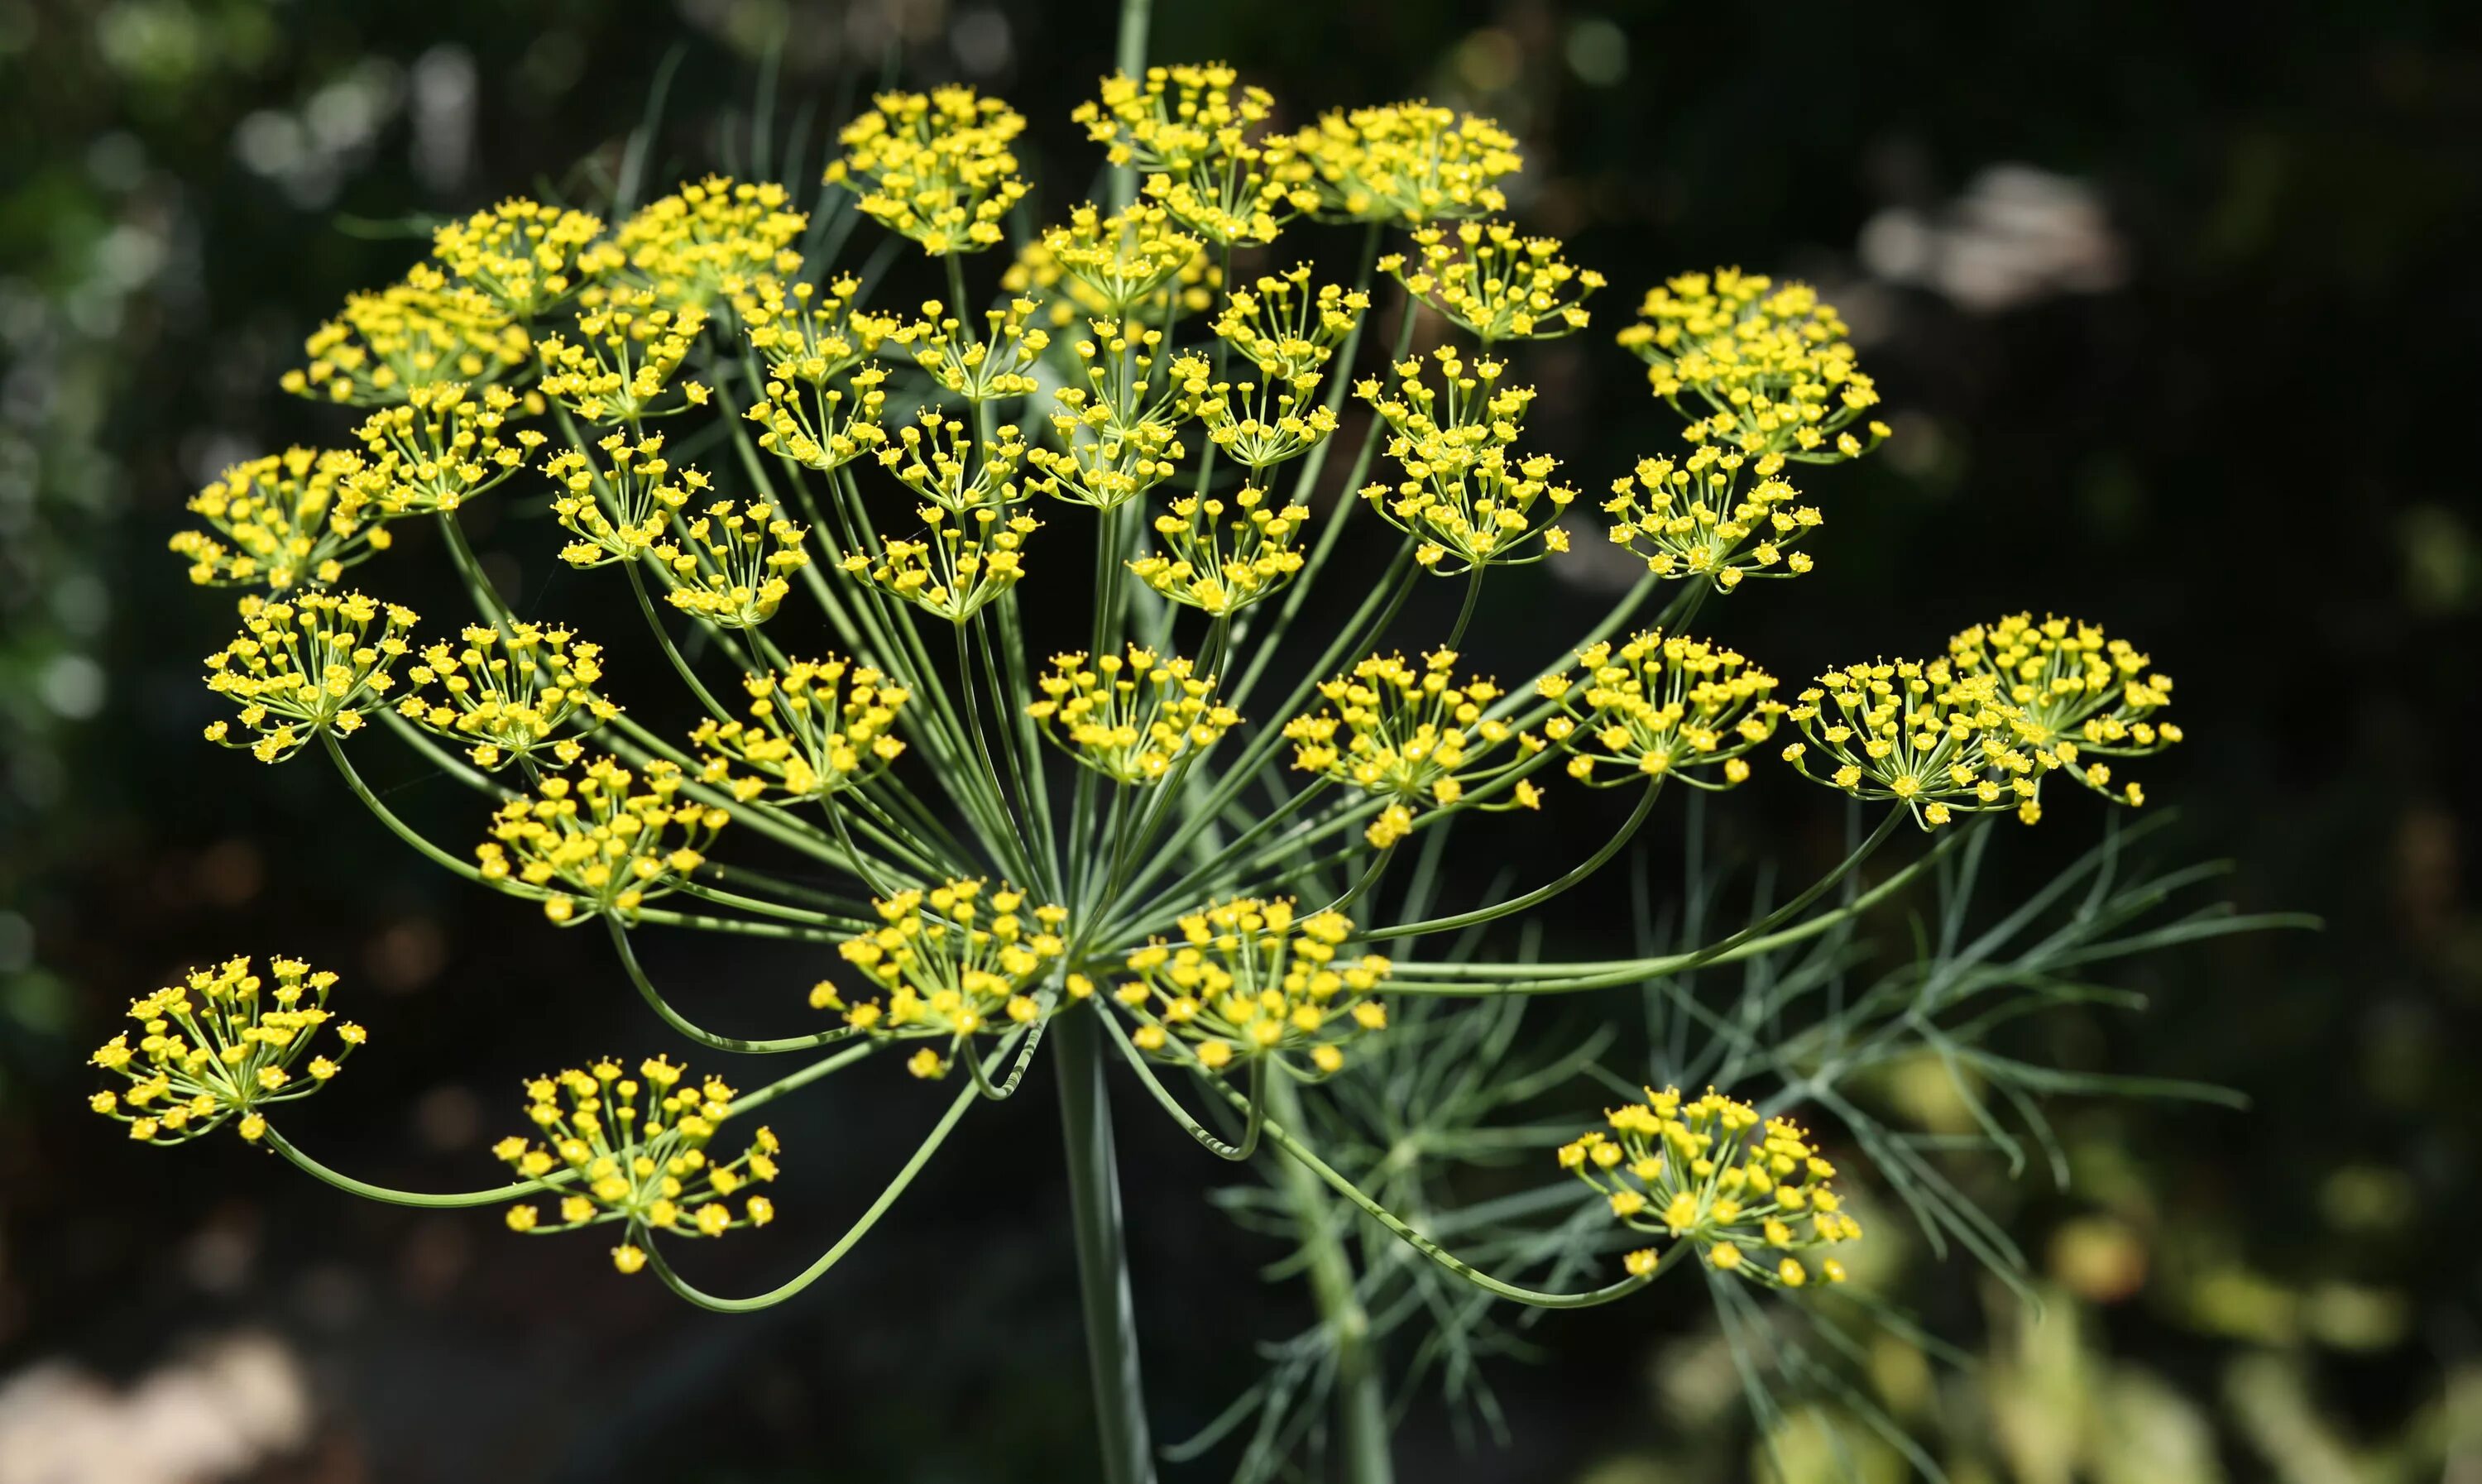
{"x":2175,"y":314}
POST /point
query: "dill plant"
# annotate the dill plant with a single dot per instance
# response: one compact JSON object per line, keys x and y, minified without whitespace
{"x":1159,"y":850}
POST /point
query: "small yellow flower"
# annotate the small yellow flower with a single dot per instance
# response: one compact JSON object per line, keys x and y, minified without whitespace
{"x":520,"y":693}
{"x":604,"y":842}
{"x":282,"y":520}
{"x":636,"y":1150}
{"x":1467,"y":497}
{"x":220,"y":1046}
{"x":1495,"y":284}
{"x":934,"y":166}
{"x":1407,"y":164}
{"x":953,"y":962}
{"x":1247,"y":978}
{"x":1658,"y":706}
{"x":1130,"y":717}
{"x":815,"y":728}
{"x":1711,"y":1171}
{"x":1765,"y":369}
{"x":308,"y":664}
{"x":1412,"y":736}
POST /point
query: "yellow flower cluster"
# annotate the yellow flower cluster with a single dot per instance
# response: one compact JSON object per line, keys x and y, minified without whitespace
{"x":1719,"y":513}
{"x":815,"y":728}
{"x":997,"y":363}
{"x":2076,"y":692}
{"x":1407,"y":164}
{"x":1657,"y":707}
{"x":960,"y":565}
{"x":520,"y":253}
{"x":1256,"y":424}
{"x":619,"y":512}
{"x":1200,"y":141}
{"x":1922,"y":735}
{"x":619,"y":369}
{"x":710,"y":242}
{"x":637,"y":1154}
{"x":604,"y":842}
{"x":213,"y":1048}
{"x":305,"y":666}
{"x":425,"y":332}
{"x":511,"y":695}
{"x":809,"y":343}
{"x":1772,"y":368}
{"x":1120,"y":433}
{"x":1248,"y":979}
{"x":937,"y":458}
{"x":730,"y":564}
{"x":289,"y":517}
{"x":934,"y":166}
{"x":1223,"y":566}
{"x":1286,"y":328}
{"x":1123,"y":260}
{"x":1130,"y":718}
{"x":952,"y":961}
{"x":1749,"y":1198}
{"x":1484,"y":278}
{"x":1412,"y":736}
{"x":1467,"y":497}
{"x":437,"y":449}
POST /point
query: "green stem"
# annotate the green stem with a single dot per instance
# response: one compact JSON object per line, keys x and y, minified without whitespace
{"x":1360,"y":1382}
{"x":463,"y":1200}
{"x":1102,"y":1253}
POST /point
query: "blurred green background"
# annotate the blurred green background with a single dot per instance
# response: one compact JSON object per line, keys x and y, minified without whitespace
{"x":2176,"y":316}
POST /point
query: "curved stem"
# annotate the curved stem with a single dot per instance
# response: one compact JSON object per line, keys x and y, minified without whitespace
{"x":829,"y":1258}
{"x":1540,"y":894}
{"x":387,"y":816}
{"x":1749,"y":942}
{"x":463,"y":1200}
{"x":1171,"y":1104}
{"x":663,"y":1010}
{"x":1282,"y":1138}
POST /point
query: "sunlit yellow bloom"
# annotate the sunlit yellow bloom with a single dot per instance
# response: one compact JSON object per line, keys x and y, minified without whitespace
{"x":1467,"y":497}
{"x":942,"y":460}
{"x":212,"y":1048}
{"x":1118,"y":434}
{"x":997,"y":363}
{"x":305,"y":666}
{"x":521,"y":254}
{"x":606,"y":841}
{"x":1123,"y":260}
{"x":730,"y":564}
{"x":438,"y":450}
{"x":1705,"y":1171}
{"x":1248,"y":979}
{"x":709,"y":243}
{"x":1412,"y":736}
{"x":286,"y":518}
{"x":1285,"y":328}
{"x":1495,"y":284}
{"x":633,"y":1150}
{"x":810,"y":343}
{"x":620,"y":368}
{"x":622,"y":508}
{"x":1223,"y":566}
{"x":961,"y":564}
{"x":425,"y":332}
{"x":1922,"y":735}
{"x":815,"y":728}
{"x":1719,"y":514}
{"x":1199,"y":143}
{"x":1766,"y":369}
{"x":2078,"y":694}
{"x":954,"y":962}
{"x":1407,"y":164}
{"x":1130,"y":717}
{"x":523,"y":693}
{"x":934,"y":166}
{"x":1655,"y":707}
